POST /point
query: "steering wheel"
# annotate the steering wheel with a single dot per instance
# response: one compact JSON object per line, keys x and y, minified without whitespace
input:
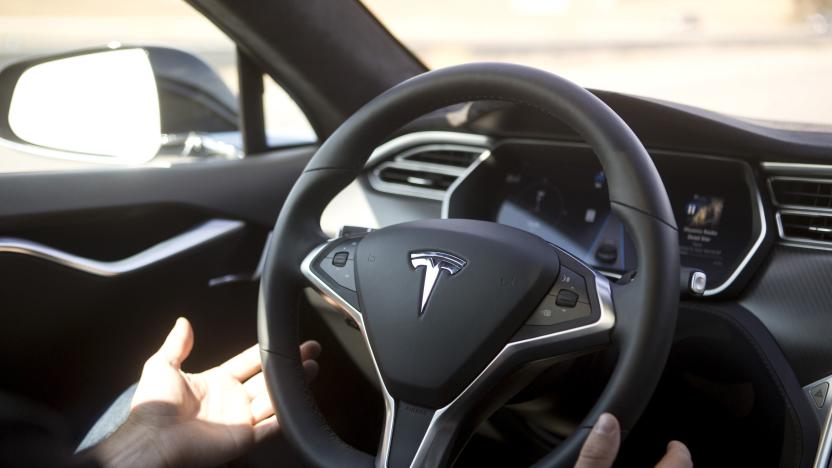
{"x":458,"y":314}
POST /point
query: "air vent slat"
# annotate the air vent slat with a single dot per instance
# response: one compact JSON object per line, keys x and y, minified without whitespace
{"x":811,"y":227}
{"x":446,"y":157}
{"x":424,"y":171}
{"x":802,"y":193}
{"x":424,"y":179}
{"x":805,"y":215}
{"x":806,"y":194}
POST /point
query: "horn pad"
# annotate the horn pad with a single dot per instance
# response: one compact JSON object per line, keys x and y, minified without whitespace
{"x":441,"y":297}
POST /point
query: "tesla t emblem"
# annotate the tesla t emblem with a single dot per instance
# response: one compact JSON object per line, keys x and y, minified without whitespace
{"x":435,"y":263}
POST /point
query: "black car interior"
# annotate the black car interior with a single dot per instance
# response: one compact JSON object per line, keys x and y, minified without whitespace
{"x":522,"y":178}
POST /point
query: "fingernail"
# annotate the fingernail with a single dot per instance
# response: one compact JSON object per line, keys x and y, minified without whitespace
{"x":605,"y":424}
{"x":678,"y":445}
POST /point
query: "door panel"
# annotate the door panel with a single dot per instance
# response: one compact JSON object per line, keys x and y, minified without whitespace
{"x":74,"y":338}
{"x":251,"y":189}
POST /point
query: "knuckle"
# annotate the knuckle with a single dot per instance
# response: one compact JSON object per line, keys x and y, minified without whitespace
{"x":597,"y":450}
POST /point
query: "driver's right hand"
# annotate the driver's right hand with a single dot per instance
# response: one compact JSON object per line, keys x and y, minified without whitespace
{"x":601,"y":447}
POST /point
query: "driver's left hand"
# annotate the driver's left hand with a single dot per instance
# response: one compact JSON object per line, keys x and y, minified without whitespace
{"x":203,"y":419}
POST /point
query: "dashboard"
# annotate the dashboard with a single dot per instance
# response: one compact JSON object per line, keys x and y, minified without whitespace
{"x":752,"y":203}
{"x":558,"y":191}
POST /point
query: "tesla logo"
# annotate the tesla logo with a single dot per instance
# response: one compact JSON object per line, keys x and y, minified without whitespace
{"x":435,"y":263}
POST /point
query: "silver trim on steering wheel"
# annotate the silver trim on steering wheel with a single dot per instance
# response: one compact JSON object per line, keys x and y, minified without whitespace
{"x":353,"y":313}
{"x":605,"y":322}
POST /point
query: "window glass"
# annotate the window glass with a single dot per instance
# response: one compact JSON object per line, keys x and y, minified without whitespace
{"x":285,"y":122}
{"x":768,"y":60}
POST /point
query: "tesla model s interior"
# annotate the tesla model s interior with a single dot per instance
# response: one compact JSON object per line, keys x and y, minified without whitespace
{"x":416,"y":234}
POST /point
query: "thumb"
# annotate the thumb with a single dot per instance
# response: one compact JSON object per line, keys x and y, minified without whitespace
{"x":178,"y":344}
{"x":677,"y":456}
{"x":601,"y":445}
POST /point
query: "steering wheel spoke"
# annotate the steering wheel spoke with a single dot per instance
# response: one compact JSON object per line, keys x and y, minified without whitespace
{"x":330,"y":267}
{"x":410,"y":436}
{"x":576,"y":315}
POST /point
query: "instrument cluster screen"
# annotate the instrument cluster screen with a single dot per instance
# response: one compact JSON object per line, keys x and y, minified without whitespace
{"x":560,"y":194}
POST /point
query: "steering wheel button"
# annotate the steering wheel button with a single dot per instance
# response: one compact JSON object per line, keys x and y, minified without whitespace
{"x":340,"y":259}
{"x":550,"y":313}
{"x":818,"y":394}
{"x":566,"y":298}
{"x":570,"y":281}
{"x":342,"y":275}
{"x":607,"y":253}
{"x":346,"y":246}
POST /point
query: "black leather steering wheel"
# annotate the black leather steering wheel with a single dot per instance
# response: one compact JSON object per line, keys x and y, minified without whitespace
{"x":458,"y":313}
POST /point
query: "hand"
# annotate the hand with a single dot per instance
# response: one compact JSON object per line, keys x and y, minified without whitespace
{"x":203,"y":419}
{"x":602,"y":444}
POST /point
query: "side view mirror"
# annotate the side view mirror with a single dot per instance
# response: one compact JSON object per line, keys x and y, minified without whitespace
{"x":121,"y":106}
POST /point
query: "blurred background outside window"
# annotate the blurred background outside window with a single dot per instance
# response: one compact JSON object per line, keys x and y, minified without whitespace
{"x":761,"y":59}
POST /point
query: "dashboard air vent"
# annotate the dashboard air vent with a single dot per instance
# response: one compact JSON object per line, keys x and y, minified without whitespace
{"x":425,"y":171}
{"x":416,"y":178}
{"x":447,"y":157}
{"x":804,"y":226}
{"x":812,"y":194}
{"x":804,"y":209}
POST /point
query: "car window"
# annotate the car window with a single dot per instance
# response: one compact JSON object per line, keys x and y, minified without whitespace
{"x":195,"y":70}
{"x":767,"y":60}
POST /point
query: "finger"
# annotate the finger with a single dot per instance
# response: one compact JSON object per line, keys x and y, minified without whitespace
{"x":310,"y":350}
{"x":255,"y":386}
{"x":310,"y":370}
{"x":265,"y":428}
{"x":244,"y":365}
{"x":677,"y":456}
{"x":261,"y":408}
{"x":601,"y":445}
{"x":178,"y":344}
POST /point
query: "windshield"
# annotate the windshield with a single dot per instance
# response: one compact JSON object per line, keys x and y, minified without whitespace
{"x":769,"y":60}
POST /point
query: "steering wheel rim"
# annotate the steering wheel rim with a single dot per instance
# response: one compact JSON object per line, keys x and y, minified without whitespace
{"x":645,"y":309}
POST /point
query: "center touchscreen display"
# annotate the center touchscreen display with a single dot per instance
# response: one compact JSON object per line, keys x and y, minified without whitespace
{"x":714,"y":213}
{"x":701,"y":227}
